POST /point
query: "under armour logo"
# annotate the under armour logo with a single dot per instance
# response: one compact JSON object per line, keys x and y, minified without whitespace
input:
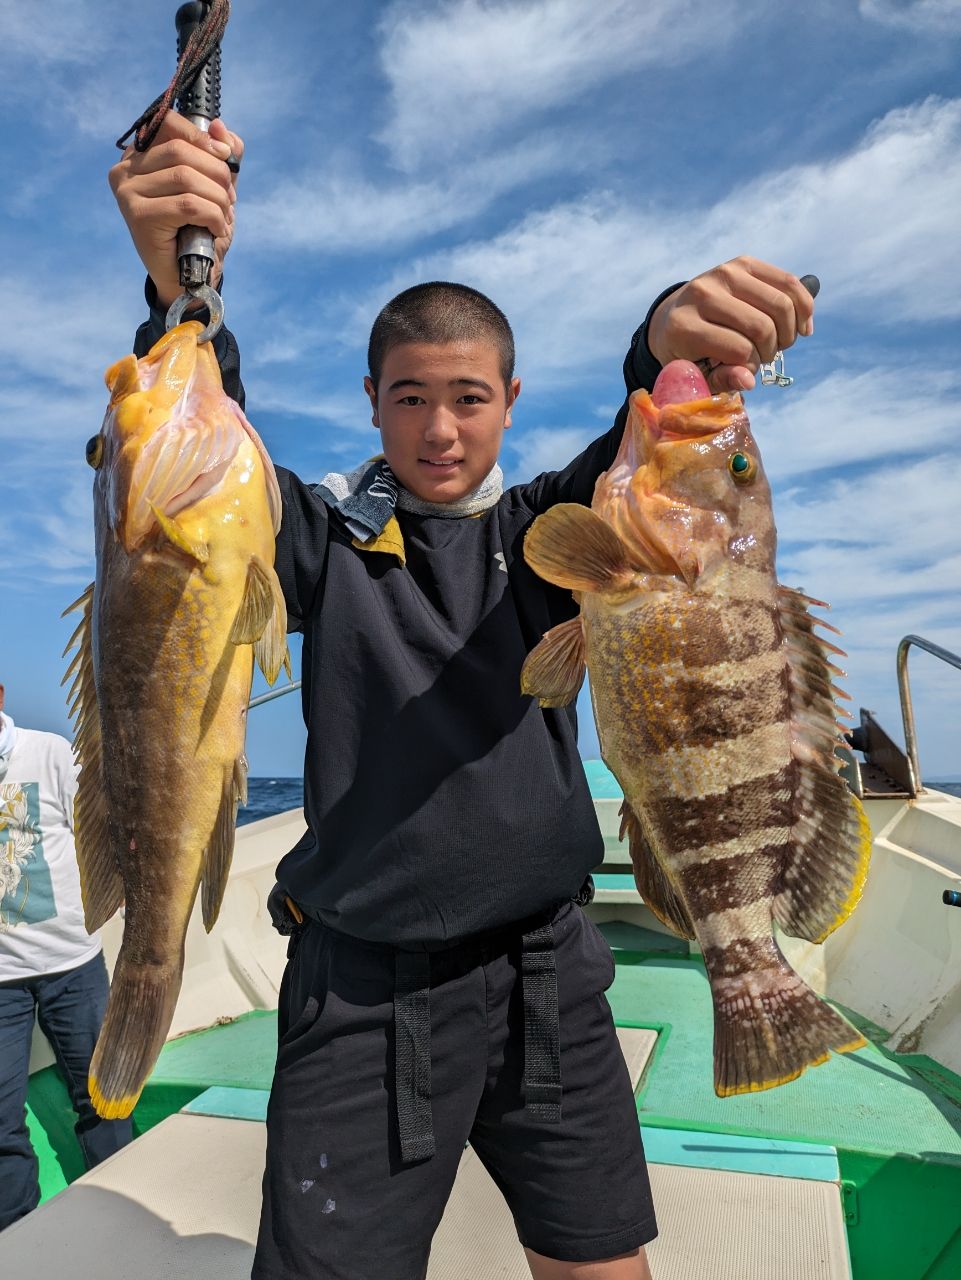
{"x":499,"y":557}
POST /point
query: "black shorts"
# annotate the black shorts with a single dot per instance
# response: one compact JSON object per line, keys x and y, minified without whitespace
{"x":339,"y":1202}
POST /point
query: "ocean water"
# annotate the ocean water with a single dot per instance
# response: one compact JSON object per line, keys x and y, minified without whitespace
{"x":276,"y":795}
{"x":270,"y":795}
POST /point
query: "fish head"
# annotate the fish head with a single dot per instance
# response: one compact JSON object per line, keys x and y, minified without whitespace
{"x":687,"y":490}
{"x":168,"y":437}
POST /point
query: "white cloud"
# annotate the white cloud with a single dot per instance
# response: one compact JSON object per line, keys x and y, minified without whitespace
{"x":856,"y":417}
{"x":342,"y":211}
{"x":459,"y":71}
{"x":540,"y":449}
{"x":58,"y":31}
{"x":902,"y":510}
{"x":66,"y":332}
{"x":878,"y":224}
{"x":917,"y":15}
{"x":345,"y":411}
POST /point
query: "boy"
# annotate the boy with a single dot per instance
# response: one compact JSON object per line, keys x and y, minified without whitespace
{"x":443,"y":985}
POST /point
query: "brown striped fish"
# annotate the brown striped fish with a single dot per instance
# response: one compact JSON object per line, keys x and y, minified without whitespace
{"x":186,"y":507}
{"x":715,"y":710}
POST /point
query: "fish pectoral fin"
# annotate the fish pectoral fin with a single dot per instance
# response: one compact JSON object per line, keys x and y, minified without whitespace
{"x":271,"y":650}
{"x":262,"y":619}
{"x":554,"y":669}
{"x":220,"y":847}
{"x":653,"y":882}
{"x":573,"y":547}
{"x":175,"y":535}
{"x":258,"y":603}
{"x":826,"y":862}
{"x":101,"y":885}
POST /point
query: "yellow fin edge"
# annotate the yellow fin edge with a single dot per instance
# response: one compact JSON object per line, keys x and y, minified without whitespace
{"x":111,"y":1108}
{"x":865,"y":844}
{"x":759,"y":1086}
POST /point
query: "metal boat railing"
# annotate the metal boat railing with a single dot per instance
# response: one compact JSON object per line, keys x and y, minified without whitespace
{"x":273,"y":693}
{"x":904,"y":692}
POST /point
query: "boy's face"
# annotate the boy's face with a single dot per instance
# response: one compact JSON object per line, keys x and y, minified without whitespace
{"x":442,"y":409}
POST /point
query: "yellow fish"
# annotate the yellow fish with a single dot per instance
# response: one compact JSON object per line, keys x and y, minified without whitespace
{"x":186,"y":507}
{"x":715,"y":710}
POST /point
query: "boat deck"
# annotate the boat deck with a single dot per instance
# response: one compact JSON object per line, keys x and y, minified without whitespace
{"x":869,"y":1142}
{"x":184,"y":1200}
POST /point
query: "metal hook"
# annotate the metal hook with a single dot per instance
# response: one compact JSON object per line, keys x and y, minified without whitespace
{"x":211,"y":300}
{"x":772,"y":373}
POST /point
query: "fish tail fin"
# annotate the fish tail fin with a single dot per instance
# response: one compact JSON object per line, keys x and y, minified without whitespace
{"x":770,"y":1026}
{"x":139,"y":1013}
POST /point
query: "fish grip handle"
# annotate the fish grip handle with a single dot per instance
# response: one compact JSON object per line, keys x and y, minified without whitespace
{"x":199,"y":101}
{"x":202,"y":96}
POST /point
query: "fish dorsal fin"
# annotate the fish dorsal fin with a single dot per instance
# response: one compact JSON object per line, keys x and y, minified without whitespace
{"x":653,"y":883}
{"x":101,"y":885}
{"x":830,"y":847}
{"x":554,"y":669}
{"x":573,"y":547}
{"x":220,"y":847}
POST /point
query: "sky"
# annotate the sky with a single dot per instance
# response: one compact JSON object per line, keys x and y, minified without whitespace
{"x":571,"y":158}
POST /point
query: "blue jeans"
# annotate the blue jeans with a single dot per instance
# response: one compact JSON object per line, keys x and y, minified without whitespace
{"x":70,"y":1008}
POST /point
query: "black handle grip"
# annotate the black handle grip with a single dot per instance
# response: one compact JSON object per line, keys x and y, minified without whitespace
{"x":951,"y":898}
{"x":812,"y":284}
{"x":202,"y":97}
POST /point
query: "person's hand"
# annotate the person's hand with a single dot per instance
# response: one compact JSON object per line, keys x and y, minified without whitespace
{"x":182,"y":179}
{"x":735,"y":317}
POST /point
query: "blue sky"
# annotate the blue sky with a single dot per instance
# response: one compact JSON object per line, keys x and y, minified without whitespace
{"x":570,"y":158}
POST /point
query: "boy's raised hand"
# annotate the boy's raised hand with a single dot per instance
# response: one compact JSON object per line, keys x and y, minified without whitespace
{"x":182,"y":179}
{"x":735,"y":316}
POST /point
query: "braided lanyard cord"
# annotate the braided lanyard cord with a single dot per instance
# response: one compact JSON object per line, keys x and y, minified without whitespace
{"x":203,"y":40}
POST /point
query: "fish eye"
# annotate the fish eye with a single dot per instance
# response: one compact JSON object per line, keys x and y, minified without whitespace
{"x":94,"y":451}
{"x":742,"y":467}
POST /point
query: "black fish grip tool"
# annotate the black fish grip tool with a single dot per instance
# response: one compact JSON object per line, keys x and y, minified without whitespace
{"x":196,"y":87}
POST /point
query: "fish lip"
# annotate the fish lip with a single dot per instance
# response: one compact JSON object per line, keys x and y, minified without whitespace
{"x":684,"y":422}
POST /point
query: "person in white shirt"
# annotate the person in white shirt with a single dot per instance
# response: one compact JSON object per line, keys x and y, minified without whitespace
{"x":51,"y":968}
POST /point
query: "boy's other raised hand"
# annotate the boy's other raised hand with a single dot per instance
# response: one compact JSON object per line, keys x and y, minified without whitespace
{"x":182,"y":179}
{"x":735,"y":316}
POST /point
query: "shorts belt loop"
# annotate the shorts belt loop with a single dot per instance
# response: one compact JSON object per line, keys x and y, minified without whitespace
{"x":412,"y":1054}
{"x":542,"y":1056}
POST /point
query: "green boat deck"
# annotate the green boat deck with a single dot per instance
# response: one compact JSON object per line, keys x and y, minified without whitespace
{"x":896,"y":1134}
{"x":887,"y":1129}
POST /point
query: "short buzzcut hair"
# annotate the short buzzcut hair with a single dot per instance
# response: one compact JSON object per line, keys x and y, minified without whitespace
{"x":440,"y":312}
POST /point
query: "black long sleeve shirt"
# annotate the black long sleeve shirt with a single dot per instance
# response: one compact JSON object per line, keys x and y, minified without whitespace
{"x":440,"y":802}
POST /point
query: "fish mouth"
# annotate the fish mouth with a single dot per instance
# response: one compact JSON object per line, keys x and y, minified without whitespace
{"x":654,"y":525}
{"x":691,"y":422}
{"x":680,"y":409}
